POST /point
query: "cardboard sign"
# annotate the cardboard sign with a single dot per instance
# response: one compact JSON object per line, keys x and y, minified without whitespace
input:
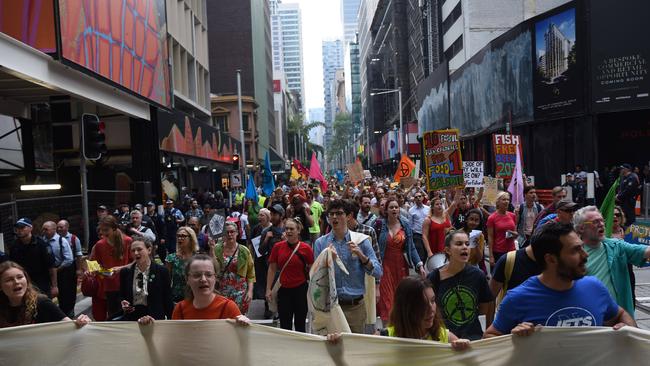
{"x":366,"y":174}
{"x":442,"y":160}
{"x":638,"y":233}
{"x":235,"y":180}
{"x":408,"y":182}
{"x":473,"y":174}
{"x":491,"y":188}
{"x":505,"y":154}
{"x":355,"y":171}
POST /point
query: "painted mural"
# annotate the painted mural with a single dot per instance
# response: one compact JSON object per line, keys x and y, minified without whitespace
{"x":29,"y":21}
{"x":182,"y":134}
{"x":124,"y":41}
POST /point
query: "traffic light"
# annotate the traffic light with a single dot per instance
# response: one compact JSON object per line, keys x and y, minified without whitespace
{"x":235,"y":161}
{"x":94,"y":139}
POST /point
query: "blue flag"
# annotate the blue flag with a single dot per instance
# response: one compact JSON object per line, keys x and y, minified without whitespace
{"x":268,"y":183}
{"x":251,"y":191}
{"x":339,"y":176}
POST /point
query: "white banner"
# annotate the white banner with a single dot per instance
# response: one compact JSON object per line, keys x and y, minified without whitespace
{"x":473,"y":174}
{"x":220,"y":342}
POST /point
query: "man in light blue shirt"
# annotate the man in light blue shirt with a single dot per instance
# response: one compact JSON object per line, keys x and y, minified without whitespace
{"x":63,"y":261}
{"x":358,"y":259}
{"x":418,"y":212}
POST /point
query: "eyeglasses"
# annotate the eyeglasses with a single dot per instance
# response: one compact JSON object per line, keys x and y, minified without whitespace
{"x":199,"y":275}
{"x":617,"y":214}
{"x":181,"y":236}
{"x":595,"y":222}
{"x":335,"y":213}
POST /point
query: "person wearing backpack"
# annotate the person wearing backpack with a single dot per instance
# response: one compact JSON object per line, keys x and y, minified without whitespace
{"x":525,"y":214}
{"x":512,"y":269}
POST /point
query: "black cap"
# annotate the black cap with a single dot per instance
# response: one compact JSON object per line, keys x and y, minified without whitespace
{"x":102,"y":207}
{"x":626,"y":166}
{"x":277,"y":208}
{"x":169,"y":201}
{"x":23,"y":222}
{"x":150,"y":203}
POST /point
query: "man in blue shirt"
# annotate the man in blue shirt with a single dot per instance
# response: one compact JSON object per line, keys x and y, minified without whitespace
{"x":64,"y":263}
{"x":560,"y":296}
{"x":358,"y":259}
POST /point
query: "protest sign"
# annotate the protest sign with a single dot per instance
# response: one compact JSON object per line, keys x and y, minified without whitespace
{"x":408,"y":182}
{"x":473,"y":174}
{"x":366,"y":174}
{"x":491,"y":188}
{"x":638,"y":233}
{"x":235,"y":180}
{"x":355,"y":171}
{"x":442,"y":160}
{"x":505,"y":154}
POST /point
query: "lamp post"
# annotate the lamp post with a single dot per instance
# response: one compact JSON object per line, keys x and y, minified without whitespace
{"x":401,"y":125}
{"x":241,"y":125}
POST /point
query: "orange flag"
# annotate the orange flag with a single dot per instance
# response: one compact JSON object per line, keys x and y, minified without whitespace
{"x":404,"y":168}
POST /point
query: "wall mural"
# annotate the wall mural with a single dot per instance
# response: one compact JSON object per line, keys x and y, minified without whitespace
{"x":126,"y":44}
{"x":182,"y":134}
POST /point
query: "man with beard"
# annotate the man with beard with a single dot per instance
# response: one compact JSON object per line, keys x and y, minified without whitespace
{"x":561,"y":295}
{"x":609,"y":258}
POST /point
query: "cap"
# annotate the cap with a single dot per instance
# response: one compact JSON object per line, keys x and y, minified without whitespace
{"x":169,"y":201}
{"x":566,"y":205}
{"x":102,"y":207}
{"x":22,"y":222}
{"x":150,"y":203}
{"x":626,"y":166}
{"x":569,"y":174}
{"x":277,"y":208}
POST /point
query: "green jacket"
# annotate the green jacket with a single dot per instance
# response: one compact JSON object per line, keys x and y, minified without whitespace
{"x":619,"y":254}
{"x":245,"y":266}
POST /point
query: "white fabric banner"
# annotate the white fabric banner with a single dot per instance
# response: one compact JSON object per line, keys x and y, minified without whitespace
{"x":220,"y":342}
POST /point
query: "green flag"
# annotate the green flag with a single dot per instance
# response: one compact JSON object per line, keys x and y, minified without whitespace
{"x":607,"y":208}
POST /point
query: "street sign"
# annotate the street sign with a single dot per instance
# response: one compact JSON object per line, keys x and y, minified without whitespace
{"x":235,"y":180}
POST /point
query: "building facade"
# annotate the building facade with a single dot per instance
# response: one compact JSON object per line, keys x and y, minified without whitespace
{"x":332,"y":62}
{"x":349,"y":18}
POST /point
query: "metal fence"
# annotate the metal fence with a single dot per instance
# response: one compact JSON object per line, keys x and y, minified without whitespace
{"x":54,"y":208}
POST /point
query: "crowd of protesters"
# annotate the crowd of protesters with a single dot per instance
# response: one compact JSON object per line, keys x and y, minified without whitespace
{"x":438,"y":260}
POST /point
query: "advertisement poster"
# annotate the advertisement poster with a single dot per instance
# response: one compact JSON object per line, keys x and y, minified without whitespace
{"x":558,"y":72}
{"x":505,"y":154}
{"x":473,"y":174}
{"x":443,"y":161}
{"x":620,"y":55}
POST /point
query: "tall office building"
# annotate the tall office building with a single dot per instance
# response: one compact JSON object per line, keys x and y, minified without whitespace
{"x":332,"y":61}
{"x":286,"y":29}
{"x":556,"y":58}
{"x":355,"y":89}
{"x":349,"y":13}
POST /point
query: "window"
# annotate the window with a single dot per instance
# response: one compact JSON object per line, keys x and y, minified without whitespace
{"x":245,"y":126}
{"x":456,"y":47}
{"x":222,"y":122}
{"x":451,"y":18}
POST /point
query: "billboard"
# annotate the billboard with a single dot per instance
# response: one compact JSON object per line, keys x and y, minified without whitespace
{"x":127,"y":44}
{"x":433,"y":99}
{"x":620,"y":55}
{"x":182,"y":134}
{"x":29,"y":21}
{"x":558,"y":71}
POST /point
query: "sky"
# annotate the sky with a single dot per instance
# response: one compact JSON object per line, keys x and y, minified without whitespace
{"x":565,"y":21}
{"x":321,"y":20}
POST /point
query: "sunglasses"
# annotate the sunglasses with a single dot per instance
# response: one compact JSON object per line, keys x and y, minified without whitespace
{"x":617,"y":214}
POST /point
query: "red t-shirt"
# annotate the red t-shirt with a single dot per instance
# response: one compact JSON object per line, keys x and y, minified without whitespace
{"x":294,"y":275}
{"x":103,"y":253}
{"x":220,"y":308}
{"x":437,"y":235}
{"x":500,"y":224}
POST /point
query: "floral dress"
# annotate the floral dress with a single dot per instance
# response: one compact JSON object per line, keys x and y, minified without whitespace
{"x":232,"y":285}
{"x":178,"y":276}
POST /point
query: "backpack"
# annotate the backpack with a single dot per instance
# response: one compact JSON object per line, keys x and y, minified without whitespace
{"x":237,"y":222}
{"x":511,"y":256}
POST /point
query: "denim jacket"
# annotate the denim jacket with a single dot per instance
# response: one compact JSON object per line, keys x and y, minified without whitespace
{"x":410,"y":253}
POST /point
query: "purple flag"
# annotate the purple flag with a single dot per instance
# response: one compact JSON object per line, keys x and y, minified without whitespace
{"x":516,"y":187}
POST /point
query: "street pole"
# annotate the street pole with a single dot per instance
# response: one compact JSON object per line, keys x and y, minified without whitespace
{"x":83,"y":172}
{"x":401,"y":126}
{"x":241,"y":125}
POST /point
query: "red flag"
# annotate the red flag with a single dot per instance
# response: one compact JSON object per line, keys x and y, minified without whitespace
{"x":301,"y":169}
{"x":316,"y":173}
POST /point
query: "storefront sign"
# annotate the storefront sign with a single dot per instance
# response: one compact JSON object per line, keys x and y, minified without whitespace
{"x":443,"y":161}
{"x":505,"y":154}
{"x":473,"y":173}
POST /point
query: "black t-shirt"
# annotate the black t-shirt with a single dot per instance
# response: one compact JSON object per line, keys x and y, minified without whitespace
{"x":277,"y":237}
{"x":523,"y":269}
{"x":458,"y":298}
{"x":37,"y":259}
{"x":46,"y":312}
{"x":458,"y":218}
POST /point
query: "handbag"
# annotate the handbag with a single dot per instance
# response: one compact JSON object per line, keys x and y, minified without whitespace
{"x":273,"y":301}
{"x":89,"y":285}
